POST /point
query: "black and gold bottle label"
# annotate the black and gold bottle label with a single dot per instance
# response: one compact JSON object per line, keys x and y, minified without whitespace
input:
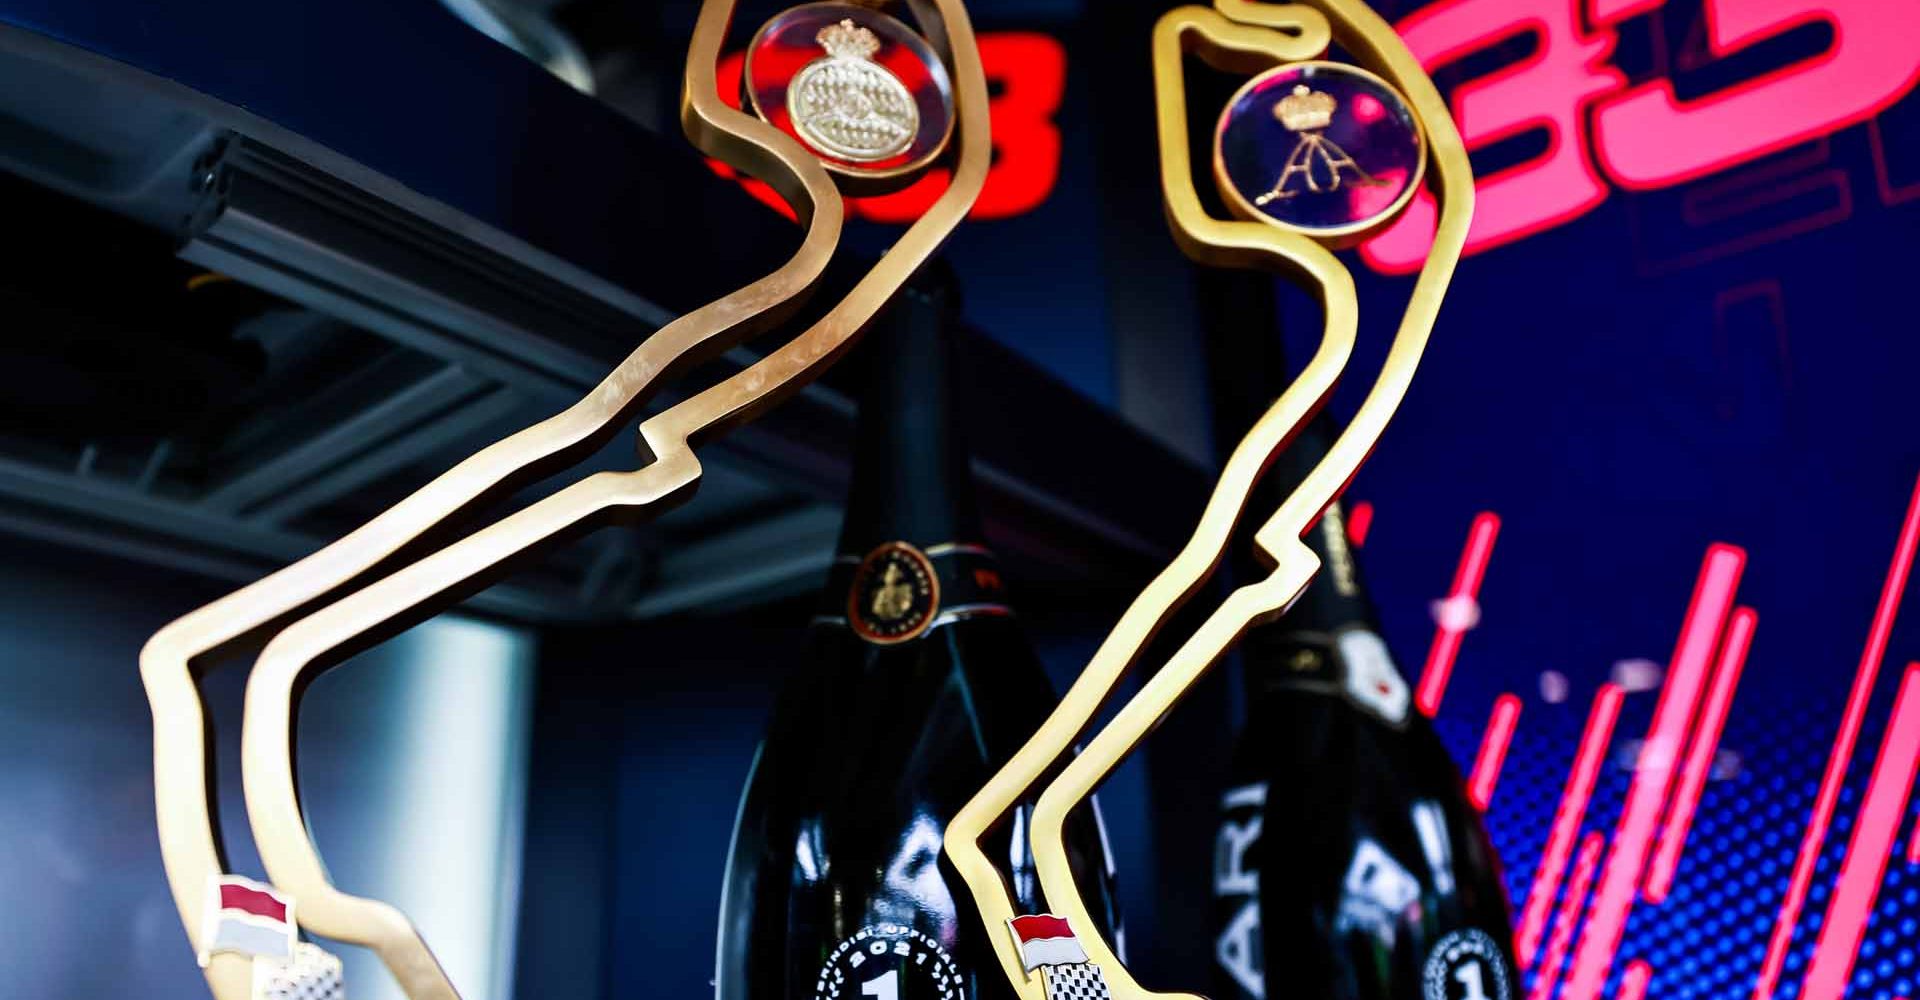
{"x":898,"y":592}
{"x":1352,"y":663}
{"x":895,"y":594}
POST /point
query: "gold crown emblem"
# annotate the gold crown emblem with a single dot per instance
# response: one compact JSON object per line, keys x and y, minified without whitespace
{"x":1305,"y":109}
{"x":848,"y":40}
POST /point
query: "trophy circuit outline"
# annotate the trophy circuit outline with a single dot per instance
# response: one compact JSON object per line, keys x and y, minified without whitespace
{"x":385,"y":575}
{"x":1236,"y":36}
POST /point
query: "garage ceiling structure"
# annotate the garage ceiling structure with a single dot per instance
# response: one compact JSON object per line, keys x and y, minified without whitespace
{"x":433,"y":243}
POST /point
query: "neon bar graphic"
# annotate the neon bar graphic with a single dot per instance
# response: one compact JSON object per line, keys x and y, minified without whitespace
{"x":1466,"y":586}
{"x":1633,"y":982}
{"x":1577,"y":885}
{"x":1843,"y":747}
{"x":1699,"y":762}
{"x":1359,"y":522}
{"x":1493,"y":751}
{"x":1874,"y":831}
{"x":1567,"y":817}
{"x":1686,"y":680}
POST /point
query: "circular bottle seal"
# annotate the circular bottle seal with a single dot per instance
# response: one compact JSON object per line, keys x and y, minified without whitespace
{"x":1466,"y":965}
{"x":861,"y":90}
{"x":1320,"y":148}
{"x":894,"y":596}
{"x":889,"y":960}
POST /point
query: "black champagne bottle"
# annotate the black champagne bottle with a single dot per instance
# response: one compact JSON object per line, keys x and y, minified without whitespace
{"x":1349,"y":864}
{"x":917,"y":686}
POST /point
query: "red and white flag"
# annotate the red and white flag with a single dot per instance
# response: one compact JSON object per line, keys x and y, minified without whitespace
{"x":1045,"y":939}
{"x":248,"y":917}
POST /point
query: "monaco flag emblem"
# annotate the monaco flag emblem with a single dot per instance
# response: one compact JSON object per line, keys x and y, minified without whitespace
{"x":247,"y":917}
{"x":1045,"y":939}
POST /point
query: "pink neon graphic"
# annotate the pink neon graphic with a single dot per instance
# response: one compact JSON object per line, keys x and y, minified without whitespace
{"x":1843,"y":746}
{"x":1647,"y":137}
{"x":1577,"y":885}
{"x":1465,"y":590}
{"x":1686,"y":682}
{"x":1567,"y":817}
{"x":1547,"y":93}
{"x":1611,"y":11}
{"x":1493,"y":751}
{"x":1359,"y":522}
{"x":1699,"y":762}
{"x":1633,"y":982}
{"x":1874,"y":831}
{"x":1913,"y":845}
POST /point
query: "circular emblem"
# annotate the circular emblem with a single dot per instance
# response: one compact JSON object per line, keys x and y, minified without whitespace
{"x":894,"y":594}
{"x":1466,"y":965}
{"x":849,"y":105}
{"x":1319,"y":148}
{"x":863,"y":91}
{"x":888,"y":960}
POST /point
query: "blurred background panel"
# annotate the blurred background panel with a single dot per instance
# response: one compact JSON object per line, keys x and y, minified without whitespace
{"x":414,"y":777}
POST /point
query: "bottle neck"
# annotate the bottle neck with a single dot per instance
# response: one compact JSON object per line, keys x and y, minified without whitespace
{"x":911,"y":477}
{"x":1337,"y":597}
{"x":1329,"y":642}
{"x":911,"y":557}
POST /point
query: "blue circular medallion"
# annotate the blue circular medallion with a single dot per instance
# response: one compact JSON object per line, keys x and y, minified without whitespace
{"x":1319,"y":148}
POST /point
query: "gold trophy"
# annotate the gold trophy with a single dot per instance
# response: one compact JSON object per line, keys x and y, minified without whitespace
{"x":880,"y":105}
{"x":1310,"y":155}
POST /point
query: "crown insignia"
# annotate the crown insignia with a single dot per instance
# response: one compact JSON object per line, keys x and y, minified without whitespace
{"x":848,"y":40}
{"x":1305,"y":109}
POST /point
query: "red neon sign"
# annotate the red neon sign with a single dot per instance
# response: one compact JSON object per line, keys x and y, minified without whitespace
{"x":1464,"y":593}
{"x":1864,"y":676}
{"x":1577,"y":885}
{"x":1669,"y":774}
{"x":1549,"y":91}
{"x":1567,"y":817}
{"x":1700,"y":755}
{"x":1653,"y":774}
{"x":1028,"y":72}
{"x":1648,"y":138}
{"x":1878,"y":823}
{"x":1641,"y":137}
{"x":1493,"y":751}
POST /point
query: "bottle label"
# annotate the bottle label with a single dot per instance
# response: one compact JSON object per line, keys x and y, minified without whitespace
{"x":1375,"y":893}
{"x":888,"y":962}
{"x":1352,"y":663}
{"x":1236,"y":887}
{"x":897,"y":592}
{"x":1466,"y":965}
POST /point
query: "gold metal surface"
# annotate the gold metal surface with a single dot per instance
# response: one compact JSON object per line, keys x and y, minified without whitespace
{"x":1241,"y":37}
{"x":400,"y":582}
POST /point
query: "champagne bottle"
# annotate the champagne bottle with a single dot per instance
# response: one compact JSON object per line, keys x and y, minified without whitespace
{"x":918,"y":685}
{"x":1349,"y":864}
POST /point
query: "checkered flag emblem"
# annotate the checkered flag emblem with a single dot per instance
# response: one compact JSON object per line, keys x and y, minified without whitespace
{"x":1075,"y":982}
{"x":311,"y":974}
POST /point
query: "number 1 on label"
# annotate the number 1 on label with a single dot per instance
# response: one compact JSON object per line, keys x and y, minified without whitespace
{"x":1467,"y":975}
{"x":887,"y":986}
